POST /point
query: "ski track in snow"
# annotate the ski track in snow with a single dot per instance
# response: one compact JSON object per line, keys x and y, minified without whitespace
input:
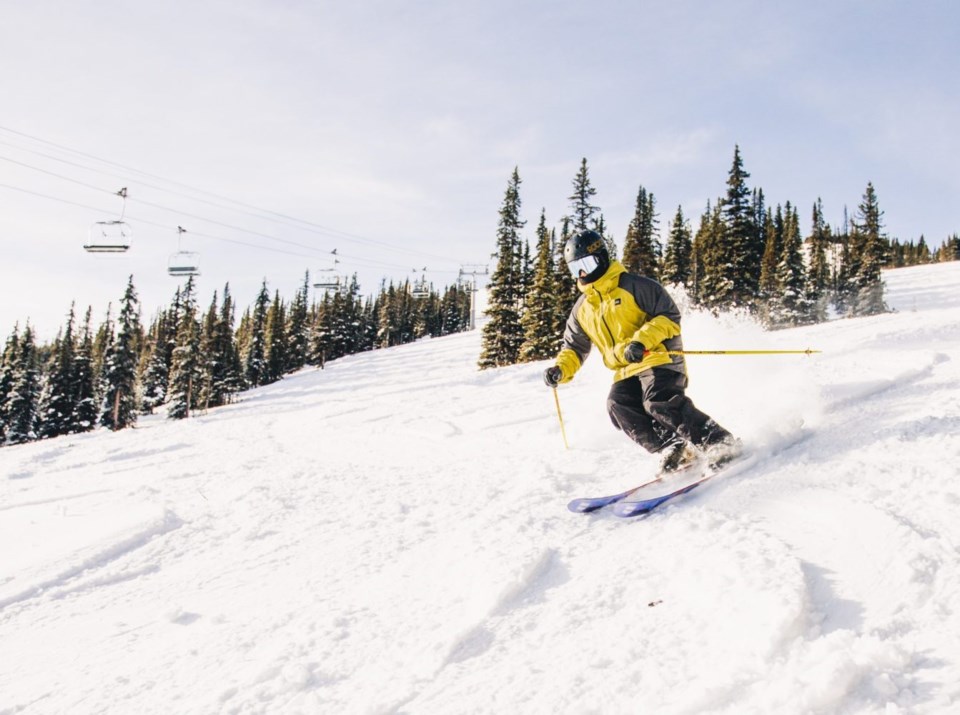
{"x":390,"y":535}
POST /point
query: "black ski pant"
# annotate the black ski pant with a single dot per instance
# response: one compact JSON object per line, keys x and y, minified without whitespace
{"x":653,"y":410}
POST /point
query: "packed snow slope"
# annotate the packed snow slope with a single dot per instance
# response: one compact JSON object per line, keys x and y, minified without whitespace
{"x":390,"y":535}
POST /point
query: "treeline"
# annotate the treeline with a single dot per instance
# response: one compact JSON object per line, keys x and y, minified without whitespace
{"x":745,"y":254}
{"x":189,"y":358}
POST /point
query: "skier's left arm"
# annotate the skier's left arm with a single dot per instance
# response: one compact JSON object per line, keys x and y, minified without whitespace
{"x":663,"y":316}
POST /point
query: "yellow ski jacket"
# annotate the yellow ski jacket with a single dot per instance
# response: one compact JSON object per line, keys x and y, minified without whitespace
{"x":616,"y":309}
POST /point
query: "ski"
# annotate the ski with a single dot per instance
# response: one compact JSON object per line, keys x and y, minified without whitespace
{"x":644,"y":500}
{"x":584,"y":505}
{"x":648,"y":497}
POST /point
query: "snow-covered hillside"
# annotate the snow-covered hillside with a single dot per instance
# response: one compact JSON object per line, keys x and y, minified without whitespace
{"x":390,"y":535}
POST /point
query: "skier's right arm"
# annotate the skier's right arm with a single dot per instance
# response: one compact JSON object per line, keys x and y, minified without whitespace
{"x":576,"y":347}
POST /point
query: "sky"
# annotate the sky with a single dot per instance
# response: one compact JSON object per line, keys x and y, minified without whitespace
{"x":278,"y":132}
{"x":391,"y":535}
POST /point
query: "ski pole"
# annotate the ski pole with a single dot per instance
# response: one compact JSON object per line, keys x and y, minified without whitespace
{"x":808,"y":351}
{"x":563,"y":431}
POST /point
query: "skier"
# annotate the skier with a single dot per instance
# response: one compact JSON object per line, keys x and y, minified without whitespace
{"x":634,"y":323}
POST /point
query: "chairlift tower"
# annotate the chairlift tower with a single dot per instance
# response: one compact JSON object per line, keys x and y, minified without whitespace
{"x":472,"y":270}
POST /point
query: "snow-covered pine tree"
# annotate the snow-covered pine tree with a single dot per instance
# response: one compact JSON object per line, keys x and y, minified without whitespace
{"x":584,"y":213}
{"x":276,"y":340}
{"x":567,"y":292}
{"x":58,"y":399}
{"x":120,"y":400}
{"x":186,"y":373}
{"x":541,"y":337}
{"x":503,"y":334}
{"x":641,"y":247}
{"x":84,"y":416}
{"x":677,"y":257}
{"x":153,"y":367}
{"x":102,"y":341}
{"x":739,"y":271}
{"x":228,"y":372}
{"x":255,"y":350}
{"x":870,"y":245}
{"x":818,"y":274}
{"x":298,"y":328}
{"x":24,"y":396}
{"x":773,"y":250}
{"x":714,"y":286}
{"x":789,"y":306}
{"x":8,"y":359}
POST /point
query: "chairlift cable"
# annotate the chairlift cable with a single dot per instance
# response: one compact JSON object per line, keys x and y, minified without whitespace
{"x":344,"y":234}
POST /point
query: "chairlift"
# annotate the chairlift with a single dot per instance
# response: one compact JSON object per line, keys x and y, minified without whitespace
{"x":183,"y":263}
{"x":330,"y":280}
{"x":110,"y":236}
{"x":421,"y":288}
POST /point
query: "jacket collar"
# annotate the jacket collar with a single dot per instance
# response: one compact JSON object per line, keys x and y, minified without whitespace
{"x":605,"y":283}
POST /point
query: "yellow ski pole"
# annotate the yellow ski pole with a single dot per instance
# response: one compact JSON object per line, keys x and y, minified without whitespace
{"x":808,"y":351}
{"x":563,"y":431}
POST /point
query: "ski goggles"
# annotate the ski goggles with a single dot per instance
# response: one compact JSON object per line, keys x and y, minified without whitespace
{"x":587,"y":264}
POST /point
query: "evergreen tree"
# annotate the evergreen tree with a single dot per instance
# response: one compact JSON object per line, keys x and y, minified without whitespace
{"x":503,"y":334}
{"x":541,"y":338}
{"x":819,"y":274}
{"x":845,"y":267}
{"x":101,"y":347}
{"x":567,"y":291}
{"x":8,"y":361}
{"x":773,"y":250}
{"x":186,"y":372}
{"x":678,"y":258}
{"x":227,"y":376}
{"x":791,"y":306}
{"x":584,"y":213}
{"x":154,"y":370}
{"x":255,"y":352}
{"x":739,"y":270}
{"x":276,"y":340}
{"x":870,"y":245}
{"x":120,"y":400}
{"x":209,"y":359}
{"x":85,"y":413}
{"x":21,"y":408}
{"x":59,"y":400}
{"x":713,"y":285}
{"x":641,"y":247}
{"x":298,"y":328}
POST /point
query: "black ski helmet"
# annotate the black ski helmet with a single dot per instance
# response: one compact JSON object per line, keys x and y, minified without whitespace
{"x":587,"y":243}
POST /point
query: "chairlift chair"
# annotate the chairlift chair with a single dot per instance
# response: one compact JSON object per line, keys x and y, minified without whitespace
{"x":329,"y":281}
{"x":421,"y":288}
{"x":184,"y":263}
{"x":110,"y":236}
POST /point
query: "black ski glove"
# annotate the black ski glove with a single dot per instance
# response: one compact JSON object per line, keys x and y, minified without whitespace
{"x":634,"y":352}
{"x":552,"y":376}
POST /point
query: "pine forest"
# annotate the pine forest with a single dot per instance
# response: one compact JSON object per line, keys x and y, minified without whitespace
{"x":745,"y":254}
{"x":190,"y":358}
